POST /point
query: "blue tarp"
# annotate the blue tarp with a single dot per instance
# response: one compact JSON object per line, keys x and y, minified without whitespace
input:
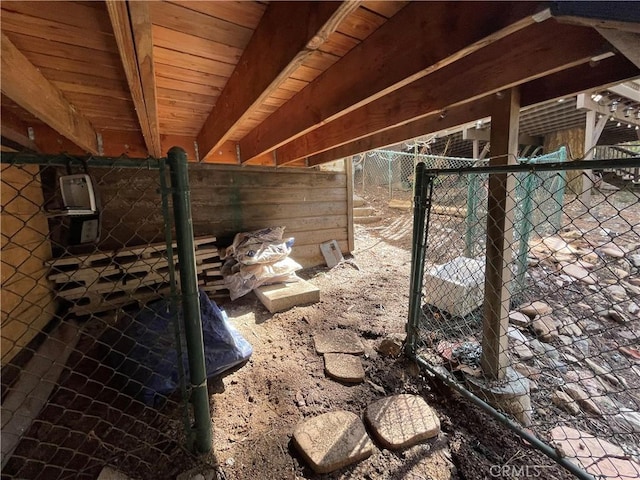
{"x":151,"y":363}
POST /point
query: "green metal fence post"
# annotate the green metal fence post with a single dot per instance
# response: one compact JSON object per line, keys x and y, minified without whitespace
{"x":523,"y":230}
{"x":173,"y":305}
{"x":177,"y":160}
{"x":424,"y":184}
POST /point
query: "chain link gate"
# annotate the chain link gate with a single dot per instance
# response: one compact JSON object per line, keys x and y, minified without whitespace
{"x":86,"y":244}
{"x":569,"y":378}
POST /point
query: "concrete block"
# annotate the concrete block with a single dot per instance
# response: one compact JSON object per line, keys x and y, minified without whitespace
{"x":457,"y":287}
{"x":283,"y":296}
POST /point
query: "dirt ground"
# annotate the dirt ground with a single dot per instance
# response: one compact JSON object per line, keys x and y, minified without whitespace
{"x":256,"y":408}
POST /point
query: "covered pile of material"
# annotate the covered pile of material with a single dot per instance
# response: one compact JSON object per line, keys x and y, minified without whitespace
{"x":258,"y":258}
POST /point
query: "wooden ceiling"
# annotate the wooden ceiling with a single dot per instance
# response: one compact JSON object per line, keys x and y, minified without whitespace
{"x":285,"y":83}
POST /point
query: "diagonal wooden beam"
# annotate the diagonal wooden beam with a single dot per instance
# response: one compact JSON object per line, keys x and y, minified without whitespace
{"x":419,"y":39}
{"x":610,"y":71}
{"x":23,"y":83}
{"x":133,"y":36}
{"x":287,"y":34}
{"x":503,"y":64}
{"x":627,"y":43}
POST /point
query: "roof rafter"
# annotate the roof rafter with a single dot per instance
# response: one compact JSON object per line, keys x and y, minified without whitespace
{"x":289,"y":32}
{"x":23,"y":83}
{"x":495,"y":67}
{"x":386,"y":61}
{"x":132,"y":28}
{"x":612,"y":70}
{"x":15,"y":132}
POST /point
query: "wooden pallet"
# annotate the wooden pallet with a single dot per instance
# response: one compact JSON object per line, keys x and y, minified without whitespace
{"x":108,"y":280}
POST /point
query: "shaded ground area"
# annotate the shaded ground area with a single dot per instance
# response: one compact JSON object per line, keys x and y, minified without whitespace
{"x":256,"y":407}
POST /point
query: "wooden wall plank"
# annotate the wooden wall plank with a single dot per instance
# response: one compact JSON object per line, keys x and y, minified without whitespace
{"x":311,"y":205}
{"x":27,"y":299}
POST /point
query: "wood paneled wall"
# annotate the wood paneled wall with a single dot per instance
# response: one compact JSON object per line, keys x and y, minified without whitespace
{"x":312,"y":205}
{"x":27,"y":298}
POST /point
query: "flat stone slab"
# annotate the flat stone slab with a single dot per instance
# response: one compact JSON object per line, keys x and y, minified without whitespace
{"x":344,"y":367}
{"x":596,"y":456}
{"x":402,"y":420}
{"x":535,"y":308}
{"x":332,"y":440}
{"x":283,"y":296}
{"x":338,"y":341}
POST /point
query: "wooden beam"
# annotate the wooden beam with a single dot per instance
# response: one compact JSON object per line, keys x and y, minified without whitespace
{"x":503,"y":64}
{"x":627,"y":43}
{"x":500,"y":215}
{"x":136,"y":56}
{"x":473,"y":133}
{"x":15,"y":133}
{"x":612,"y":15}
{"x":23,"y":83}
{"x":610,"y":71}
{"x":289,"y":32}
{"x":419,"y":39}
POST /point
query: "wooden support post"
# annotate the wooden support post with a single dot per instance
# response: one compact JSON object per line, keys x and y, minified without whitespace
{"x":501,"y":205}
{"x":592,"y":132}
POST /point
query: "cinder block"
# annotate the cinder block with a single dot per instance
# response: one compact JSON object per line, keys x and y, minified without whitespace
{"x":283,"y":296}
{"x":457,"y":287}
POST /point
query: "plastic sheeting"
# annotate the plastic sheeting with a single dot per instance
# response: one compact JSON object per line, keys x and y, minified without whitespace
{"x":151,"y":363}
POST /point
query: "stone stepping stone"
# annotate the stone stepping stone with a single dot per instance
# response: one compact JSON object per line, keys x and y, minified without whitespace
{"x":332,"y":440}
{"x":344,"y":367}
{"x":596,"y":456}
{"x":401,"y":421}
{"x":535,"y":308}
{"x":338,"y":341}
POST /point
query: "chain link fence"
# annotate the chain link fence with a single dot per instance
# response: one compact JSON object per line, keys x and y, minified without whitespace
{"x":390,"y":174}
{"x":93,"y":349}
{"x":530,"y":302}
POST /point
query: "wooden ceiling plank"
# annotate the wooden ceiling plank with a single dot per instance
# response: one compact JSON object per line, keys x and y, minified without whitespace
{"x":167,"y":38}
{"x":23,"y":83}
{"x":290,"y":31}
{"x":244,"y":13}
{"x":384,"y":8}
{"x":42,"y":60}
{"x":607,"y":72}
{"x":191,"y":76}
{"x":176,"y":17}
{"x":499,"y":65}
{"x":361,"y":24}
{"x":419,"y":39}
{"x":191,"y":62}
{"x":71,"y":14}
{"x":50,"y":30}
{"x":26,"y":43}
{"x":132,"y":28}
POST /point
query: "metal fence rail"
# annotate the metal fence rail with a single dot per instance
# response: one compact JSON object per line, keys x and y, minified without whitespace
{"x":86,"y":250}
{"x":569,"y":335}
